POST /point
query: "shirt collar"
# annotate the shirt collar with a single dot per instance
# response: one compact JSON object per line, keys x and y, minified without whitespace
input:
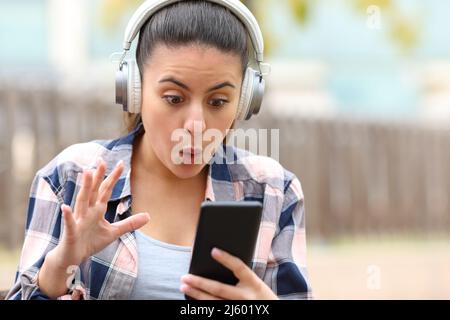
{"x":122,"y":189}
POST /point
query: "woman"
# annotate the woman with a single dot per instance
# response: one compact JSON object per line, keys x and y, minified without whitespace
{"x":129,"y":235}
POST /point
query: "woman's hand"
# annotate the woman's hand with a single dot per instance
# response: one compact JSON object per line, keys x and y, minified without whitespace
{"x":249,"y":287}
{"x":86,"y":231}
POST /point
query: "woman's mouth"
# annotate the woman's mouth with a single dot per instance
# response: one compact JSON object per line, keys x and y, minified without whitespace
{"x":191,"y":155}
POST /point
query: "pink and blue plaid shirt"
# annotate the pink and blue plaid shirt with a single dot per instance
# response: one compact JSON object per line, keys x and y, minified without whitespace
{"x":280,"y":254}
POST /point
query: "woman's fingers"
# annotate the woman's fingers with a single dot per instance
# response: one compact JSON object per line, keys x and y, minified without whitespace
{"x":236,"y":265}
{"x":98,"y":179}
{"x":82,"y":201}
{"x":196,"y":293}
{"x":134,"y":222}
{"x":69,"y":221}
{"x":214,"y":288}
{"x":108,"y":184}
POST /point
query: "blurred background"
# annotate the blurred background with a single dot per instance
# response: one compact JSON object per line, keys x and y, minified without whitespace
{"x":360,"y":90}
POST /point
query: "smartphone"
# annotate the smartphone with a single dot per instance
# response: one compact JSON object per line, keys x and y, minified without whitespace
{"x":231,"y":226}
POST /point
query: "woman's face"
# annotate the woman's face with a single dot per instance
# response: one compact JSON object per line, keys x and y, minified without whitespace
{"x":189,"y":95}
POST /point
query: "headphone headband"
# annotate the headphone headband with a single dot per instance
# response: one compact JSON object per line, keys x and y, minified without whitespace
{"x":128,"y":81}
{"x":149,"y":7}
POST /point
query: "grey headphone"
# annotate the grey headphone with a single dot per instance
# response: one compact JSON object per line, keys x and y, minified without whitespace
{"x":128,"y":81}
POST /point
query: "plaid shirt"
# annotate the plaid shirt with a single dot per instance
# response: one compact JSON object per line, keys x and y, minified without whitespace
{"x":279,"y":257}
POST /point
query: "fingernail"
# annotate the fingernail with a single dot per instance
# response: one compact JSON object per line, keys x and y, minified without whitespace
{"x":183,"y":288}
{"x":119,"y":163}
{"x":99,"y":161}
{"x":216,"y":251}
{"x":147,"y":214}
{"x":186,"y":278}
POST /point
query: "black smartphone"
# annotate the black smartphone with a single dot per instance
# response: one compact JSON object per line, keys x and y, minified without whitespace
{"x":231,"y":226}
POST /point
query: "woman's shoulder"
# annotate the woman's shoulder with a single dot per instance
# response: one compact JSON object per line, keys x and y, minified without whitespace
{"x":82,"y":156}
{"x":260,"y":169}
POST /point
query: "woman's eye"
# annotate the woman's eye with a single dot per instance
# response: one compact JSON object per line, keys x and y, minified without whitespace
{"x":218,"y":102}
{"x":173,"y":99}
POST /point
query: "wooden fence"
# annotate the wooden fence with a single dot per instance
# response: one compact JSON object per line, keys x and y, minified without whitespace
{"x":358,"y":176}
{"x":363,"y":177}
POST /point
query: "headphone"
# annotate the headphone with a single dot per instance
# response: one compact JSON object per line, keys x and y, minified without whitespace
{"x":128,"y":80}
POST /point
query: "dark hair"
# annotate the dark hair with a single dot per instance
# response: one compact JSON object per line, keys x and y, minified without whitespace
{"x":191,"y":22}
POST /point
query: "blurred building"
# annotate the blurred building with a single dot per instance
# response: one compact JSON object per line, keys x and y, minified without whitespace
{"x":335,"y":61}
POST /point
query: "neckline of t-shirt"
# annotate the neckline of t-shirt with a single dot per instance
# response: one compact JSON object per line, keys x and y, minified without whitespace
{"x":163,"y":244}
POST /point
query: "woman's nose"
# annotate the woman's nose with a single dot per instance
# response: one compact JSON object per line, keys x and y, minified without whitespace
{"x":195,"y":123}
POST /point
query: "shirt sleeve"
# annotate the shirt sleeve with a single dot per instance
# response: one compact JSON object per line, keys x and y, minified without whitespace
{"x":42,"y":230}
{"x":286,"y":268}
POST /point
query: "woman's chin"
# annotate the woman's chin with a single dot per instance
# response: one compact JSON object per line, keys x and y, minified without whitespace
{"x":186,"y":171}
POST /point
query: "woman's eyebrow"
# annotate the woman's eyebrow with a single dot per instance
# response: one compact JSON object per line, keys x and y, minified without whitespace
{"x":182,"y":85}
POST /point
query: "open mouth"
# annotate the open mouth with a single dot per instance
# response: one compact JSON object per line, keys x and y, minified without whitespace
{"x":191,"y":155}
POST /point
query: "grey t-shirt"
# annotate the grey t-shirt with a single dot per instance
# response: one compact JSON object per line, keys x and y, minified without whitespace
{"x":160,"y":267}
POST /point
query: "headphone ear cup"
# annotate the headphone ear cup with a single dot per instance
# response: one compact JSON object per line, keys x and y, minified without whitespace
{"x":134,"y":89}
{"x":252,"y":93}
{"x":244,"y":100}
